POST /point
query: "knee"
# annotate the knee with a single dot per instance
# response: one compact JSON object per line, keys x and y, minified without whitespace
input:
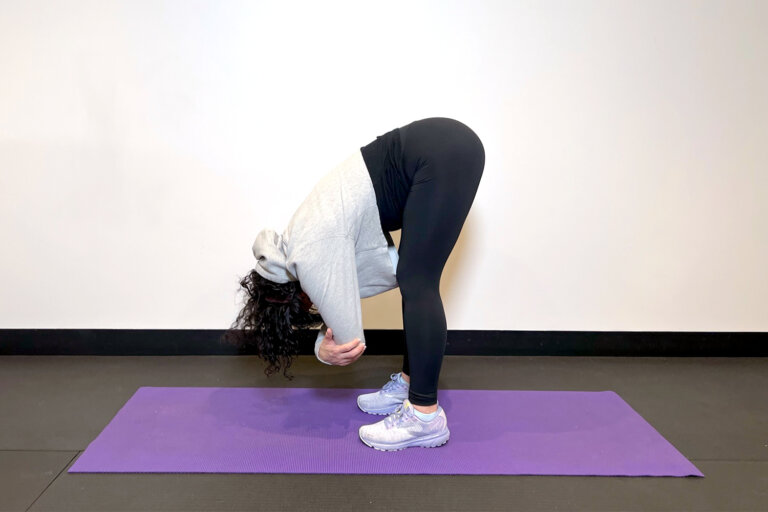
{"x":415,"y":284}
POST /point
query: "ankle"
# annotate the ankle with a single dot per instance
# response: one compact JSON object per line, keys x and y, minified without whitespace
{"x":425,"y":409}
{"x":405,"y":377}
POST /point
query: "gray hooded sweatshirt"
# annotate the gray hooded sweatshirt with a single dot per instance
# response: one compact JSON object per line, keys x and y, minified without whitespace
{"x":335,"y":247}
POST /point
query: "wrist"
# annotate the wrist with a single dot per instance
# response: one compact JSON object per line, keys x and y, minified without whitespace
{"x":318,"y":349}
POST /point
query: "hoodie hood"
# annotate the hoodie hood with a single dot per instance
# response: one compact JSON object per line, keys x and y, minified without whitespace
{"x":270,"y":252}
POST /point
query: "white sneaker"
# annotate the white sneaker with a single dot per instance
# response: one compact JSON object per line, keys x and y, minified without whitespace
{"x":387,"y":399}
{"x":403,"y":429}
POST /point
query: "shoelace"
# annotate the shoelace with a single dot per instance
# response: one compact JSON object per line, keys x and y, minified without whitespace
{"x":396,"y":418}
{"x":393,"y":418}
{"x":392,"y":383}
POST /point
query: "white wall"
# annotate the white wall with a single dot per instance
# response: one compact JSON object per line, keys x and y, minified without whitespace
{"x":144,"y":144}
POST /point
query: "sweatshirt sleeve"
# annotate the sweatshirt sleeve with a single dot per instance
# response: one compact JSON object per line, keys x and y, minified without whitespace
{"x":319,"y":341}
{"x":327,"y":272}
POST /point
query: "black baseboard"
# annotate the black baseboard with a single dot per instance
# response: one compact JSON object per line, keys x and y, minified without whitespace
{"x":153,"y":342}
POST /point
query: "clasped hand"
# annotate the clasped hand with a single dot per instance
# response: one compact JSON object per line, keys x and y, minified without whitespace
{"x":339,"y":355}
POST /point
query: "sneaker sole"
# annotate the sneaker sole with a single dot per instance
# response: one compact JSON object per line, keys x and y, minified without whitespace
{"x":427,"y":442}
{"x":379,"y":412}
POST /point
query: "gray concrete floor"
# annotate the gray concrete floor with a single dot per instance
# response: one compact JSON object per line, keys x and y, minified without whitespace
{"x":713,"y":410}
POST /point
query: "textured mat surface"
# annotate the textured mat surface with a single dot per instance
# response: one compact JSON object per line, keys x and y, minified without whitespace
{"x":315,"y":430}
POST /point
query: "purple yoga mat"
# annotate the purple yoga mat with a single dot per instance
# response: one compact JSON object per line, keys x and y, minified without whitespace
{"x":315,"y":430}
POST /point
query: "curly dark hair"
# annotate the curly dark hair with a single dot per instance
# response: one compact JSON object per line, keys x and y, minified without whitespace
{"x":270,"y":319}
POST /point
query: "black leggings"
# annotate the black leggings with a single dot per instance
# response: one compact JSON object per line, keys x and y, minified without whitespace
{"x":445,"y":160}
